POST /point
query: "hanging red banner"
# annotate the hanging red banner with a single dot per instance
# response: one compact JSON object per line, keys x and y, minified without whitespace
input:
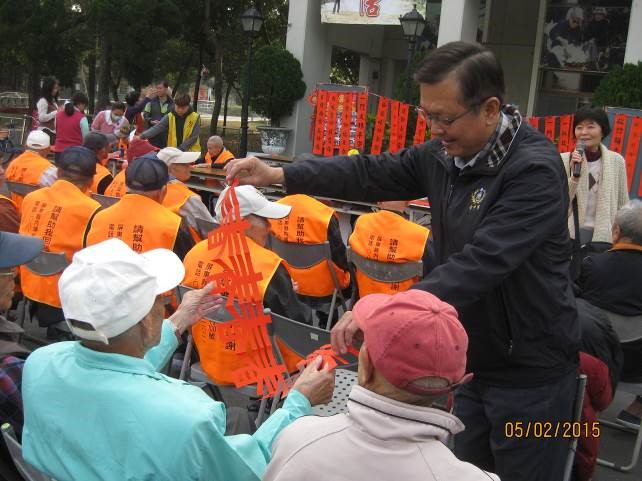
{"x":393,"y":141}
{"x":319,"y":122}
{"x":633,"y":148}
{"x":362,"y":109}
{"x":402,"y":126}
{"x":346,"y":123}
{"x":331,"y":123}
{"x":380,"y":126}
{"x":617,"y":135}
{"x":565,"y":128}
{"x":549,"y":128}
{"x":534,"y":121}
{"x":571,"y":135}
{"x":420,"y":130}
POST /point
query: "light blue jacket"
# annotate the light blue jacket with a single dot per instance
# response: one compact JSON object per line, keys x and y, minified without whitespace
{"x":97,"y":416}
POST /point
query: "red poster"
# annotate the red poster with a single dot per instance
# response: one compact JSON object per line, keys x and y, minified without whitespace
{"x":362,"y":109}
{"x":393,"y":142}
{"x":633,"y":148}
{"x":380,"y":126}
{"x":617,"y":136}
{"x":534,"y":121}
{"x":565,"y":128}
{"x":402,"y":126}
{"x":420,"y":130}
{"x":549,"y":128}
{"x":331,"y":123}
{"x":346,"y":123}
{"x":319,"y":122}
{"x":571,"y":135}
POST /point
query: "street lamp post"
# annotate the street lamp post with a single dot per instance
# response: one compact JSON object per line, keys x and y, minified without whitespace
{"x":413,"y":25}
{"x":252,"y":20}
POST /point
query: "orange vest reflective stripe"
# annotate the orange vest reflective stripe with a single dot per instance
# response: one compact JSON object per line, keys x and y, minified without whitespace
{"x":221,"y":158}
{"x":219,"y":359}
{"x":386,"y":237}
{"x":101,"y":173}
{"x":27,"y":168}
{"x":142,"y":223}
{"x":308,"y":223}
{"x":59,"y":215}
{"x":117,"y":188}
{"x":177,"y":195}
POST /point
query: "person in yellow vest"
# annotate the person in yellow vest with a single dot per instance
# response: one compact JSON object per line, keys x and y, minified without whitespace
{"x":182,"y":126}
{"x":217,"y":154}
{"x":139,"y":218}
{"x":219,"y":359}
{"x":387,"y":237}
{"x":60,"y":215}
{"x":32,"y":167}
{"x":180,"y":199}
{"x":137,"y":148}
{"x":312,"y":222}
{"x":99,"y":145}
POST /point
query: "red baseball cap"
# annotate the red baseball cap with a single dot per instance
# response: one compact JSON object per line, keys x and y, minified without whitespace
{"x":413,"y":335}
{"x":138,"y":148}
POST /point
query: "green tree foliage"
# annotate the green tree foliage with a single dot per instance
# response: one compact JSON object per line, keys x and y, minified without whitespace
{"x":622,"y":87}
{"x":344,"y":66}
{"x":277,"y":82}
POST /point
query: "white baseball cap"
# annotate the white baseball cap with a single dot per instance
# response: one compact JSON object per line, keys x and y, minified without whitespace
{"x":38,"y":140}
{"x":111,"y":287}
{"x":172,"y":155}
{"x":251,"y":201}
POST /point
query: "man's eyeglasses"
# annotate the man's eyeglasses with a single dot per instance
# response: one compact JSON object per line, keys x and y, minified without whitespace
{"x":444,"y":120}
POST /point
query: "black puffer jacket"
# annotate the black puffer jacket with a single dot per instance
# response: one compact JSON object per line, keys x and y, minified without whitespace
{"x":500,"y":238}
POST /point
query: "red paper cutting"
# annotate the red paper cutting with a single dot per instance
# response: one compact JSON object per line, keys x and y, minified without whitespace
{"x":617,"y":136}
{"x":393,"y":142}
{"x":420,"y":130}
{"x":633,"y":148}
{"x":565,"y":128}
{"x":319,"y":122}
{"x":330,"y":358}
{"x":402,"y":126}
{"x":380,"y":126}
{"x":534,"y":121}
{"x":549,"y":128}
{"x":331,"y":123}
{"x":346,"y":121}
{"x":362,"y":108}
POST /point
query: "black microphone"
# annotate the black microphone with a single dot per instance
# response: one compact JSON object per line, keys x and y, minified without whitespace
{"x":577,"y":167}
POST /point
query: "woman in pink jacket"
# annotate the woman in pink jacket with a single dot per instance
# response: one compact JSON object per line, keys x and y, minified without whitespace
{"x":110,"y":121}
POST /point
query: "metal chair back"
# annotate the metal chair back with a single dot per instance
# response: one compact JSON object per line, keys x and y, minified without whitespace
{"x":104,"y":200}
{"x":28,"y":472}
{"x":205,"y":226}
{"x":577,"y":417}
{"x":21,"y":189}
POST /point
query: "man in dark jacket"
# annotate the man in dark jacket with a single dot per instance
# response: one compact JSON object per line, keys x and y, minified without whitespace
{"x":498,"y":199}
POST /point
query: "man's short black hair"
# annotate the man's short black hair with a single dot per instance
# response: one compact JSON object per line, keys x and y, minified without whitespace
{"x":597,"y":115}
{"x":132,"y":97}
{"x":477,"y":69}
{"x":95,"y":141}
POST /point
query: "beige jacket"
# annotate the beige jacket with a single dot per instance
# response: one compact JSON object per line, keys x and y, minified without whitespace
{"x":613,"y":193}
{"x":378,"y":439}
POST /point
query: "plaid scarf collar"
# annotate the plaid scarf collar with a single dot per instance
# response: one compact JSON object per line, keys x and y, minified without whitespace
{"x":498,"y":144}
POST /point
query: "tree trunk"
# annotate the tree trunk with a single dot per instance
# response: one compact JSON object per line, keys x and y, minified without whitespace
{"x":228,"y":89}
{"x":91,"y":81}
{"x":34,"y":87}
{"x":201,"y":46}
{"x":105,"y":69}
{"x":182,"y":73}
{"x":114,"y":88}
{"x":218,"y":95}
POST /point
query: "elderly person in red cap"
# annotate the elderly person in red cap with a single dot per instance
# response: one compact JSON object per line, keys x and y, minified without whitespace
{"x":414,"y":350}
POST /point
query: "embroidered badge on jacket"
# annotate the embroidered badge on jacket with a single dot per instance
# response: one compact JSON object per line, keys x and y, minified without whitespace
{"x":476,"y":198}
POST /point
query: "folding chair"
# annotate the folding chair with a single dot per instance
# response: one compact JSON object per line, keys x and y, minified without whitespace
{"x":628,"y":329}
{"x":577,"y":416}
{"x":21,"y":189}
{"x":303,"y":256}
{"x":105,"y":200}
{"x":388,"y":272}
{"x":198,"y":376}
{"x":303,"y":340}
{"x":205,"y":226}
{"x":28,"y":472}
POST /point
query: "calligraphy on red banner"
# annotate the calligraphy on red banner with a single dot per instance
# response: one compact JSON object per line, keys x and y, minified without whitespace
{"x":346,"y":123}
{"x":619,"y":130}
{"x":380,"y":126}
{"x":362,"y":111}
{"x":319,"y":122}
{"x":633,"y":148}
{"x":331,"y":123}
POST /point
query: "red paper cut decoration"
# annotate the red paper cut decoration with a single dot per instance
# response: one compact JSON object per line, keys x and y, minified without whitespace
{"x":380,"y":126}
{"x":534,"y":121}
{"x":393,"y":143}
{"x":362,"y":109}
{"x":565,"y":128}
{"x":549,"y":128}
{"x":319,"y":122}
{"x":330,"y":358}
{"x":420,"y":130}
{"x":331,"y":123}
{"x":633,"y":148}
{"x":346,"y":121}
{"x":402,"y":126}
{"x":617,"y":136}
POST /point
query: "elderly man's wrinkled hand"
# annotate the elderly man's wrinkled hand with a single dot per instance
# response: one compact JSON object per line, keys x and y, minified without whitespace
{"x":196,"y":304}
{"x":316,"y":382}
{"x":344,"y":333}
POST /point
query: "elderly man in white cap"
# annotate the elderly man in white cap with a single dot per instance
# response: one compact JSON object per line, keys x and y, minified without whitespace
{"x":98,"y":409}
{"x":32,"y":167}
{"x":218,"y":357}
{"x":179,"y":198}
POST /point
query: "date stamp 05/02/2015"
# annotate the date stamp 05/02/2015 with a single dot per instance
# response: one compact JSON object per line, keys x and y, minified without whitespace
{"x":550,"y":430}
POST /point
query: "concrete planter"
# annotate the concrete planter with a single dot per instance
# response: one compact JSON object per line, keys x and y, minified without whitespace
{"x":274,"y":140}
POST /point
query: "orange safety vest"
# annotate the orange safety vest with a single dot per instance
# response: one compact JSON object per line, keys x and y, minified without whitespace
{"x":177,"y":195}
{"x":308,"y":223}
{"x":27,"y":168}
{"x":386,"y":237}
{"x":219,"y":359}
{"x":117,"y":188}
{"x":101,"y":173}
{"x":223,"y":157}
{"x":141,"y":223}
{"x":60,"y":216}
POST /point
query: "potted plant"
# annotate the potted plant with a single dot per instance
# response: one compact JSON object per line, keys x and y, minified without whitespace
{"x":277,"y":83}
{"x":622,"y":87}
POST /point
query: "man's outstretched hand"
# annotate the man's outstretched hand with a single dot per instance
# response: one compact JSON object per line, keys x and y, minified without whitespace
{"x":252,"y":171}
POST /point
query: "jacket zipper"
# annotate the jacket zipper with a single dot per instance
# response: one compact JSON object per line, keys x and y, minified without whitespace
{"x":507,"y":322}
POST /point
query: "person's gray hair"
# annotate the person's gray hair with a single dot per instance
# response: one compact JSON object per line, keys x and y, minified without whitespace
{"x":215,"y":139}
{"x":629,"y":219}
